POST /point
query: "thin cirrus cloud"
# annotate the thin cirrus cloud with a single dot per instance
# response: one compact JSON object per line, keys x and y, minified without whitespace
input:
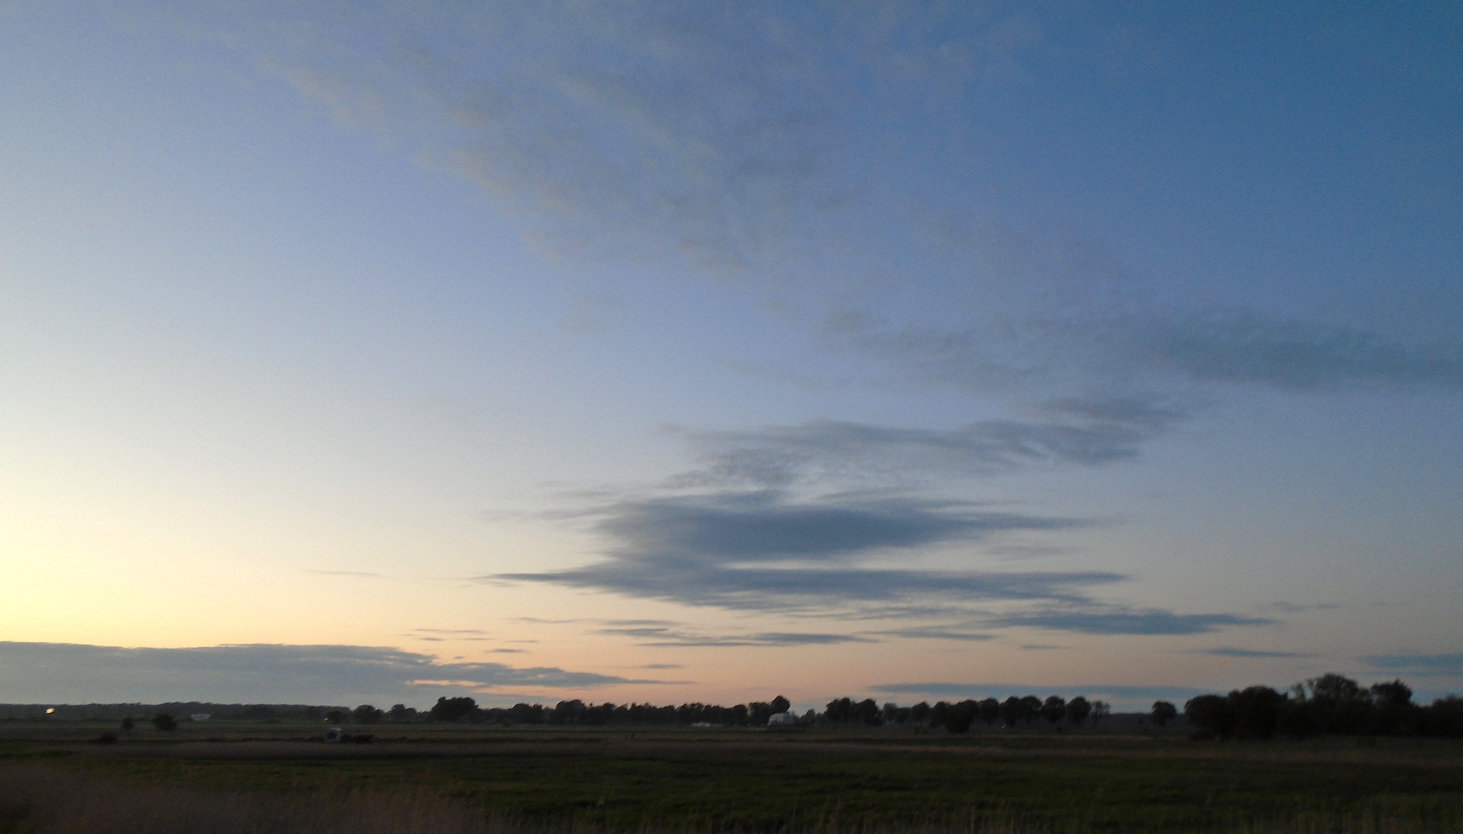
{"x":1084,"y":432}
{"x":670,"y":636}
{"x":1101,"y":620}
{"x":1450,"y":663}
{"x":257,"y":673}
{"x":1230,"y":651}
{"x":746,"y":138}
{"x":1244,"y":348}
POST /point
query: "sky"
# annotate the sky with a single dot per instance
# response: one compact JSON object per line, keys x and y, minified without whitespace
{"x":373,"y":352}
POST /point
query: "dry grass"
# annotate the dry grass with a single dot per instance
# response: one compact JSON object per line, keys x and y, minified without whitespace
{"x":49,"y":801}
{"x":43,"y":800}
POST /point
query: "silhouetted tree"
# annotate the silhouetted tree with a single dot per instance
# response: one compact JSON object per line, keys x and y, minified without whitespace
{"x":839,"y":711}
{"x":958,"y":717}
{"x":1392,"y":703}
{"x":366,"y":714}
{"x":165,"y":722}
{"x":1012,"y":710}
{"x":1030,"y":708}
{"x":990,"y":711}
{"x":1255,"y":711}
{"x":1054,"y":709}
{"x":1100,"y":710}
{"x":866,"y":712}
{"x":920,"y":713}
{"x":452,"y":709}
{"x":401,"y":713}
{"x":336,"y":716}
{"x":1210,"y":714}
{"x":1163,"y":712}
{"x":127,"y":723}
{"x":1077,"y":710}
{"x":781,"y":704}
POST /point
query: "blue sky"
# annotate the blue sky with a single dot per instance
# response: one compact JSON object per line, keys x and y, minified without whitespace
{"x":676,"y":352}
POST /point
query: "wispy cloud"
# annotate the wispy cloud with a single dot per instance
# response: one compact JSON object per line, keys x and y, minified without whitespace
{"x":765,"y":551}
{"x":662,"y":636}
{"x":1303,"y":356}
{"x":1083,"y":432}
{"x":1447,"y":664}
{"x":1100,"y":620}
{"x":1229,"y":651}
{"x":938,"y":633}
{"x":263,"y":673}
{"x":1161,"y":348}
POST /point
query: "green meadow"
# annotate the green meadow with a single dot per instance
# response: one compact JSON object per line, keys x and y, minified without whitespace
{"x":816,"y":780}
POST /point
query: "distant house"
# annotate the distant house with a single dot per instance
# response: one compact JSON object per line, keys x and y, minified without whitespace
{"x":782,"y":719}
{"x":200,"y":716}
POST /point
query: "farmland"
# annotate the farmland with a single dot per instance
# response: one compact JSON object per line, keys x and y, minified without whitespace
{"x":816,"y":779}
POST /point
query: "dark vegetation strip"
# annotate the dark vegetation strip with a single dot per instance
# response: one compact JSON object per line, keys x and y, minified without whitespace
{"x":1107,"y":785}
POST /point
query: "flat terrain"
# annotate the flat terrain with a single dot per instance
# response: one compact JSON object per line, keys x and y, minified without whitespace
{"x":662,"y":779}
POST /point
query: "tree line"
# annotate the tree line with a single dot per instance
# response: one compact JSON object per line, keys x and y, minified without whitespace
{"x":956,"y":717}
{"x":1330,"y":704}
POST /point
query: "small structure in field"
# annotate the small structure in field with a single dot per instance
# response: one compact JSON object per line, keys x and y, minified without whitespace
{"x":332,"y":735}
{"x":782,"y":719}
{"x":200,"y":716}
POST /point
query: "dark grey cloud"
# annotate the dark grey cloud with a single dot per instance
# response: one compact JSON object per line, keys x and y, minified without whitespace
{"x":261,"y":673}
{"x":1228,"y":651}
{"x":1294,"y":355}
{"x":937,"y":633}
{"x":665,"y":636}
{"x":1085,"y":432}
{"x":1122,"y":621}
{"x":1448,"y":664}
{"x":766,"y":526}
{"x":764,"y":551}
{"x":1161,"y":349}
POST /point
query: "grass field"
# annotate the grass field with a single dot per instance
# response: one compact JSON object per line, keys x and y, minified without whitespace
{"x":558,"y":779}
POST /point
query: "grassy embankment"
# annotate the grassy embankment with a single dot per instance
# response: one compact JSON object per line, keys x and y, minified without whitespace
{"x":423,"y":778}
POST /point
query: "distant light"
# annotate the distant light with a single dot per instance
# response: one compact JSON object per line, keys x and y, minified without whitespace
{"x":50,"y":710}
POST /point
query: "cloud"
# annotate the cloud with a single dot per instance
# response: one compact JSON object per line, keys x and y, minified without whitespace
{"x":937,"y":633}
{"x":765,"y":142}
{"x":1253,"y":349}
{"x":1085,"y":432}
{"x":1158,"y":349}
{"x":257,"y":673}
{"x":661,"y":636}
{"x":765,"y":551}
{"x":1122,"y":621}
{"x":1227,"y":651}
{"x":1448,"y":664}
